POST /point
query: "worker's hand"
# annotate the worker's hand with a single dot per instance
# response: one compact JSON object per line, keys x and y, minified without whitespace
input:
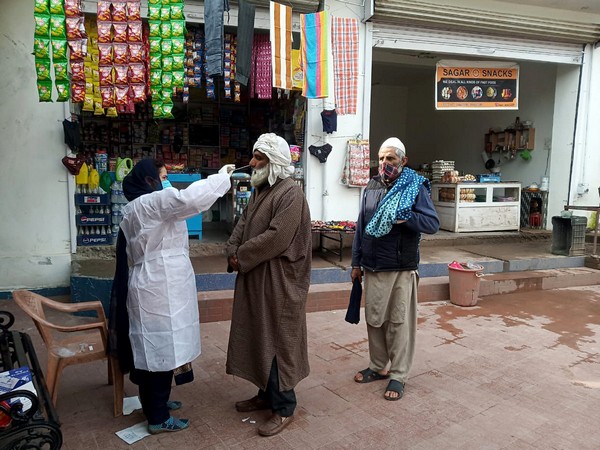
{"x":356,"y":273}
{"x":227,"y":168}
{"x":233,"y":262}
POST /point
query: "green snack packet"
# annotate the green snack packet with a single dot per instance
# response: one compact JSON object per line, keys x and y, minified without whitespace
{"x":153,"y":12}
{"x":178,"y":28}
{"x":57,"y":27}
{"x":42,"y":25}
{"x":155,"y":91}
{"x":157,"y":110}
{"x":168,"y":111}
{"x":155,"y":45}
{"x":42,"y":69}
{"x":44,"y":91}
{"x":166,"y":47}
{"x":167,"y":80}
{"x":165,"y":30}
{"x":154,"y":28}
{"x":155,"y":61}
{"x":41,"y":47}
{"x":57,"y":7}
{"x":177,"y":12}
{"x":154,"y":2}
{"x":167,"y":63}
{"x":178,"y":62}
{"x":178,"y":78}
{"x":155,"y":77}
{"x":59,"y":49}
{"x":178,"y":45}
{"x":62,"y":88}
{"x":176,"y":2}
{"x":165,"y":95}
{"x":41,"y":7}
{"x":165,"y":13}
{"x":61,"y":70}
{"x":166,"y":2}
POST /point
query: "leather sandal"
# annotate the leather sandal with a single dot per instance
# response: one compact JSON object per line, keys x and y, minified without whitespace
{"x":274,"y":425}
{"x":254,"y":404}
{"x":369,"y":375}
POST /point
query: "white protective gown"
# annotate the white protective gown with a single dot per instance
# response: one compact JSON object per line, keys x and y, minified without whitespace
{"x":162,"y":302}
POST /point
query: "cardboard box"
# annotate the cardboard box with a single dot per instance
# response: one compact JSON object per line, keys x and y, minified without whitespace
{"x":17,"y":380}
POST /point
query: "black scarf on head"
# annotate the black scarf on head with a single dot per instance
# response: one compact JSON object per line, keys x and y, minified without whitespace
{"x":143,"y":179}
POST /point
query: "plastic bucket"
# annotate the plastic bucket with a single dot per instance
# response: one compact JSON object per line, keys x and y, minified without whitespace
{"x":464,"y":283}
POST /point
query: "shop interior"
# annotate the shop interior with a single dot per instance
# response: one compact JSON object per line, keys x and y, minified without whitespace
{"x":210,"y":128}
{"x":468,"y":144}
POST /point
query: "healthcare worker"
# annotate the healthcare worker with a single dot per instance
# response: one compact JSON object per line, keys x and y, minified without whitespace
{"x":156,"y":279}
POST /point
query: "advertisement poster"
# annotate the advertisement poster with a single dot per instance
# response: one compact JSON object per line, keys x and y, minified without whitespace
{"x":476,"y":85}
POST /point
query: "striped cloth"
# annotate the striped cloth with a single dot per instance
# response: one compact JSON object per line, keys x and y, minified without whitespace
{"x":344,"y":44}
{"x":281,"y":45}
{"x":314,"y":42}
{"x":261,"y":83}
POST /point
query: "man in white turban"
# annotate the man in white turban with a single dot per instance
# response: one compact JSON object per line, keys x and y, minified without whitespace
{"x":271,"y":249}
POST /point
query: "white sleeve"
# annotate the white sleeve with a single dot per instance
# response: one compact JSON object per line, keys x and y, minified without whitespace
{"x":173,"y":204}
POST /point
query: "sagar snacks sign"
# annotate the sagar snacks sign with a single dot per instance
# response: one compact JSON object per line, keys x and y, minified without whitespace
{"x":476,"y":85}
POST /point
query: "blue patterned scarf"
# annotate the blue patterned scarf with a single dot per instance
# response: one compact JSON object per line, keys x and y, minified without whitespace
{"x":397,"y":203}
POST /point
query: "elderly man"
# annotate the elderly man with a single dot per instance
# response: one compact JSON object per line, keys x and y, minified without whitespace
{"x":396,"y":208}
{"x":271,"y":248}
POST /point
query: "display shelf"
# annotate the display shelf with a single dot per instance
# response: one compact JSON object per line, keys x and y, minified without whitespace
{"x":496,"y":206}
{"x":92,"y":219}
{"x":91,"y":199}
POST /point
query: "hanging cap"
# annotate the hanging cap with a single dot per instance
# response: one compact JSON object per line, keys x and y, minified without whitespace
{"x":395,"y":143}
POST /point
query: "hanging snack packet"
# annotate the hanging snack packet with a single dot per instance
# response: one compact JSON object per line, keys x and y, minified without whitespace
{"x":104,"y":29}
{"x":42,"y":69}
{"x":76,"y":51}
{"x":155,"y":45}
{"x":98,"y":109}
{"x":41,"y":7}
{"x":120,"y":31}
{"x":73,"y":26}
{"x":77,"y":92}
{"x":138,"y":93}
{"x":167,"y":80}
{"x":120,"y":53}
{"x":154,"y":28}
{"x":134,"y":31}
{"x":57,"y":7}
{"x":167,"y":63}
{"x":62,"y":88}
{"x":42,"y":26}
{"x":155,"y":77}
{"x":154,"y":2}
{"x":72,"y":8}
{"x":41,"y":47}
{"x":136,"y":52}
{"x":44,"y":91}
{"x":61,"y":70}
{"x":111,"y":112}
{"x":119,"y":12}
{"x":78,"y":71}
{"x":178,"y":78}
{"x":106,"y":76}
{"x":120,"y":72}
{"x":156,"y":61}
{"x":105,"y":54}
{"x":177,"y":12}
{"x":178,"y":62}
{"x":166,"y":47}
{"x":137,"y":73}
{"x":165,"y":13}
{"x":178,"y":45}
{"x":153,"y":13}
{"x":165,"y":30}
{"x":121,"y":95}
{"x":178,"y":28}
{"x":167,"y":111}
{"x":108,"y":96}
{"x":88,"y":103}
{"x":103,"y":11}
{"x":57,"y":27}
{"x":157,"y":110}
{"x":59,"y":49}
{"x":133,"y":11}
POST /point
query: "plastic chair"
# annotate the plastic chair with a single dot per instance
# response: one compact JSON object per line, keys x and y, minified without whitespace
{"x":535,"y":220}
{"x":71,"y":344}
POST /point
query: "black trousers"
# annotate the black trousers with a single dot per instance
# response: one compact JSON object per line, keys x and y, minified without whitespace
{"x":155,"y":389}
{"x":284,"y":402}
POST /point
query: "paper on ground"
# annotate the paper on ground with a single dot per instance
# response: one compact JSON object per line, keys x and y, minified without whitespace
{"x":130,"y":404}
{"x":134,"y":433}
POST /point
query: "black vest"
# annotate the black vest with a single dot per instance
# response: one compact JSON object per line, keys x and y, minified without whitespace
{"x":398,"y":250}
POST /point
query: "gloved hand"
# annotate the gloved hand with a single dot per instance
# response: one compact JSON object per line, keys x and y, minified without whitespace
{"x":227,"y":168}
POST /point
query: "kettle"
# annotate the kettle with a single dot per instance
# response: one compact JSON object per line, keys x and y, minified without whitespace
{"x":124,"y":166}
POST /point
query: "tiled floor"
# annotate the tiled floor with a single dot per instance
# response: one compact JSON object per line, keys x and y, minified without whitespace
{"x":518,"y":371}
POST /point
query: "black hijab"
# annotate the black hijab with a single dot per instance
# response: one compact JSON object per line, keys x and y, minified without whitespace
{"x":143,"y":179}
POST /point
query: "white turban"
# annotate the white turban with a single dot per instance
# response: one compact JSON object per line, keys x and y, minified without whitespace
{"x":396,"y":144}
{"x":278,"y":152}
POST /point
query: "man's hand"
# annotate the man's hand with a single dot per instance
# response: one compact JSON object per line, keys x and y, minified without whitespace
{"x":356,"y":273}
{"x":227,"y":168}
{"x":233,"y":262}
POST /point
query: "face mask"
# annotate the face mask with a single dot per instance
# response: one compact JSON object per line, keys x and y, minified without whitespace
{"x":389,"y":172}
{"x":166,"y":184}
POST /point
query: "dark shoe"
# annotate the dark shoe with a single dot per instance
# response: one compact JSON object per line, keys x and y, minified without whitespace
{"x":394,"y":386}
{"x":274,"y":425}
{"x":254,"y":404}
{"x":170,"y":425}
{"x":174,"y":405}
{"x":369,"y":375}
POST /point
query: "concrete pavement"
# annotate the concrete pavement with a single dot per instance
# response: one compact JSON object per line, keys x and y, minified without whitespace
{"x":517,"y":371}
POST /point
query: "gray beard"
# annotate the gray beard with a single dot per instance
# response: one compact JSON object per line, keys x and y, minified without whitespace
{"x":260,"y":177}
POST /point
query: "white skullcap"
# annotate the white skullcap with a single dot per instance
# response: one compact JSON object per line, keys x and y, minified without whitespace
{"x":278,"y":152}
{"x":396,"y":144}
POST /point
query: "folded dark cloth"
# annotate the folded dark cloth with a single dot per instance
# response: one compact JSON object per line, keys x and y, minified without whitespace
{"x":353,"y":313}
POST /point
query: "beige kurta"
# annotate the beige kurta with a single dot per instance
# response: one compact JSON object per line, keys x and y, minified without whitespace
{"x":273,"y":244}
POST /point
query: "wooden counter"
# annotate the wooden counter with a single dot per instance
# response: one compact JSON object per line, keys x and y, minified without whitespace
{"x":495,"y":208}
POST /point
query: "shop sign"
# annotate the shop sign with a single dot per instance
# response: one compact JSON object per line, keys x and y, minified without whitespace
{"x":476,"y":85}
